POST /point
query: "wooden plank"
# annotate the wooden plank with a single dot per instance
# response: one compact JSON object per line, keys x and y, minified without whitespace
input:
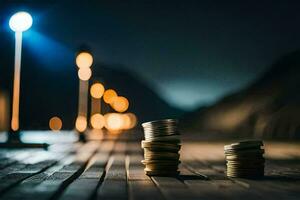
{"x":80,"y":175}
{"x":253,"y":188}
{"x":85,"y":186}
{"x":140,"y":186}
{"x":25,"y":189}
{"x":173,"y":188}
{"x":218,"y":186}
{"x":215,"y":188}
{"x":4,"y":162}
{"x":16,"y":161}
{"x":55,"y":184}
{"x":276,"y":184}
{"x":13,"y":179}
{"x":114,"y":185}
{"x":11,"y":169}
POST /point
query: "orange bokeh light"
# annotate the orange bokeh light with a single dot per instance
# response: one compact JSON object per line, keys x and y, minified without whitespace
{"x":14,"y":123}
{"x":84,"y":60}
{"x":130,"y":120}
{"x":84,"y":74}
{"x":120,"y":104}
{"x":97,"y":90}
{"x":114,"y":121}
{"x":109,"y":95}
{"x":97,"y":121}
{"x":81,"y":123}
{"x":55,"y":123}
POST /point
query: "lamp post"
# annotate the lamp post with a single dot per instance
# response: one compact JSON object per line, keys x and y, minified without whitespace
{"x":96,"y":119}
{"x":84,"y":61}
{"x":19,"y":22}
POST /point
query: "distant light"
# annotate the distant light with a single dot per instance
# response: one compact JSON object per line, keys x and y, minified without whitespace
{"x":97,"y":90}
{"x":97,"y":121}
{"x":133,"y":120}
{"x":84,"y":74}
{"x":84,"y":60}
{"x":120,"y":104}
{"x":20,"y":21}
{"x":14,"y":123}
{"x":129,"y":121}
{"x":109,"y":95}
{"x":81,"y":123}
{"x":126,"y":122}
{"x":114,"y":121}
{"x":55,"y":124}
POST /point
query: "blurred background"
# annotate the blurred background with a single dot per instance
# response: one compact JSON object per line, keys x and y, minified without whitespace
{"x":225,"y":69}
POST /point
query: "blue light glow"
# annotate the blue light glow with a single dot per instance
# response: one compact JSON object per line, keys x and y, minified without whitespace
{"x":48,"y":52}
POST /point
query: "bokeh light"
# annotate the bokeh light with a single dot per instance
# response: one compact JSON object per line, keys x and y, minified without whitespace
{"x":109,"y":95}
{"x":81,"y":123}
{"x":130,"y":120}
{"x":55,"y":123}
{"x":126,"y":122}
{"x":84,"y":74}
{"x":97,"y":121}
{"x":120,"y":104}
{"x":20,"y":21}
{"x":114,"y":121}
{"x":84,"y":60}
{"x":97,"y":90}
{"x":14,"y":124}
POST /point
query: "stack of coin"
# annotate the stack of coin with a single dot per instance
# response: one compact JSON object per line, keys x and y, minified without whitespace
{"x":161,"y":147}
{"x":245,"y":159}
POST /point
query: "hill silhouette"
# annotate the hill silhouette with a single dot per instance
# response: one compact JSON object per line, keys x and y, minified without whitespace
{"x":268,"y":108}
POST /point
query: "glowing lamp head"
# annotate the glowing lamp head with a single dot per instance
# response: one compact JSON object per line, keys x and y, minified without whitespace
{"x":20,"y":21}
{"x":81,"y":123}
{"x":84,"y":60}
{"x":84,"y":74}
{"x":97,"y":90}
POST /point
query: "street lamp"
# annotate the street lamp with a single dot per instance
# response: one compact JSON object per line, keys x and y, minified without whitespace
{"x":84,"y":61}
{"x":96,"y":119}
{"x":19,"y":22}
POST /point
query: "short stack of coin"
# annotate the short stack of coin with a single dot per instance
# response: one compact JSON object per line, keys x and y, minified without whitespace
{"x":245,"y":159}
{"x":161,"y":147}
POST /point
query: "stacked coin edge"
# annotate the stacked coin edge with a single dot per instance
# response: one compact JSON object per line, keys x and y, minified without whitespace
{"x":245,"y":159}
{"x":161,"y":147}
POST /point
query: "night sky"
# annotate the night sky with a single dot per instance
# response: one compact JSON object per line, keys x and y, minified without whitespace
{"x":190,"y":52}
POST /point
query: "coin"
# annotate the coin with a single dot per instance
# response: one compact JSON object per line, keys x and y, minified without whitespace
{"x":245,"y":159}
{"x":244,"y":145}
{"x":161,"y":172}
{"x":160,"y":144}
{"x":161,"y":147}
{"x":161,"y":156}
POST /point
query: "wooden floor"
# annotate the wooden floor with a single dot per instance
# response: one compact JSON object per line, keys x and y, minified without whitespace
{"x":112,"y":169}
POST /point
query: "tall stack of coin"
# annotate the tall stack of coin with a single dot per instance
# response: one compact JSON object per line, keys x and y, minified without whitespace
{"x":161,"y":147}
{"x":245,"y":159}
